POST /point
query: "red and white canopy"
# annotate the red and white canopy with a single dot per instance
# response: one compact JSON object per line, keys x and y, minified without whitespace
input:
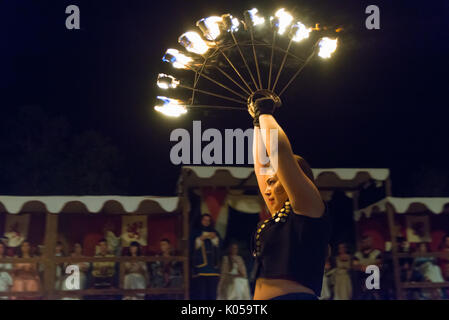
{"x":405,"y":205}
{"x":88,"y":204}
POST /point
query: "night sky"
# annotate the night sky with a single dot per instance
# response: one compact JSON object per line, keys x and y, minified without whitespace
{"x":381,"y":101}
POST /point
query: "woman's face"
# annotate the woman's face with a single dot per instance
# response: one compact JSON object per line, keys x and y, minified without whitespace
{"x":341,"y":248}
{"x":77,"y":248}
{"x":133,"y":250}
{"x":58,"y":248}
{"x":165,"y":247}
{"x":25,"y":248}
{"x":422,"y":248}
{"x":275,"y":194}
{"x":234,"y":250}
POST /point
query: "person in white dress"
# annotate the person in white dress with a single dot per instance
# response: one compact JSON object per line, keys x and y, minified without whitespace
{"x":233,"y":284}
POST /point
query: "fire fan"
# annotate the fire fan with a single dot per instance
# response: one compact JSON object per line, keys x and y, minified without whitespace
{"x":234,"y":60}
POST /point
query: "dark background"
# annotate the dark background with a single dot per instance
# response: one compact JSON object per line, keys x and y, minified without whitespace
{"x":77,"y":105}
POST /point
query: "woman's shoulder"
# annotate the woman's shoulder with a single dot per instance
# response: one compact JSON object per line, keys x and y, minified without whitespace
{"x":313,"y":214}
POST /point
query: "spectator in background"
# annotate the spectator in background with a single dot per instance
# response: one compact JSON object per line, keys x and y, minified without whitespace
{"x":405,"y":263}
{"x":408,"y":274}
{"x":342,"y":279}
{"x":59,"y":252}
{"x":25,"y":275}
{"x":5,"y":269}
{"x":166,"y":274}
{"x":103,"y":272}
{"x":83,"y":268}
{"x":113,"y":242}
{"x":365,"y":257}
{"x":429,"y":271}
{"x":233,"y":284}
{"x":206,"y":260}
{"x":136,"y":276}
{"x":444,"y":259}
{"x":328,"y":280}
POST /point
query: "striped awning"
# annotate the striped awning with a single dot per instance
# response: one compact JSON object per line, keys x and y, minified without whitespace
{"x":406,"y":205}
{"x":89,"y":204}
{"x":329,"y":178}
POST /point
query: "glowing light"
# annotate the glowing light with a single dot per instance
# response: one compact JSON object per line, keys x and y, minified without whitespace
{"x":210,"y":27}
{"x":230,"y":23}
{"x":327,"y":47}
{"x":299,"y":32}
{"x":171,"y":107}
{"x":235,"y":24}
{"x":193,"y":42}
{"x":165,"y":81}
{"x":177,"y":59}
{"x":255,"y":18}
{"x":283,"y":20}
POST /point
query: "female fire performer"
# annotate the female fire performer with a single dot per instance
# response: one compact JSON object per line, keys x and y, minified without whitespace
{"x":291,"y":247}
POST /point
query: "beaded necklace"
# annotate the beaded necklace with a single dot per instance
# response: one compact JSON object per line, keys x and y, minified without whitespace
{"x":279,"y":216}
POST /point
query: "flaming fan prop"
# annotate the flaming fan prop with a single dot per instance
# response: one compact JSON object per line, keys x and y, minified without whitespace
{"x":236,"y":59}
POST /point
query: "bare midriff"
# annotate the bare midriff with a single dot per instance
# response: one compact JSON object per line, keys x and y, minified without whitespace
{"x":270,"y":288}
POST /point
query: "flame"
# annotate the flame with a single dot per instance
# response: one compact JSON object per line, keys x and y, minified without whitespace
{"x":327,"y":47}
{"x":171,"y":107}
{"x":284,"y":20}
{"x":300,"y":32}
{"x":235,"y":25}
{"x":211,"y":27}
{"x":176,"y":58}
{"x":165,"y":81}
{"x":255,"y":18}
{"x":193,"y":42}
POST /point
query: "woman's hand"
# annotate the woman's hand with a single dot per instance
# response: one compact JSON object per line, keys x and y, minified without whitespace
{"x":262,"y":103}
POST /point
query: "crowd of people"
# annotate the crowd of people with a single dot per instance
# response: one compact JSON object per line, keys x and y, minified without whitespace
{"x":223,"y":275}
{"x":27,"y":276}
{"x":345,"y":276}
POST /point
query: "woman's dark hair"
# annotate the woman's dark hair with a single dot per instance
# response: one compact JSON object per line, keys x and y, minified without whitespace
{"x":305,"y":167}
{"x":135,"y":244}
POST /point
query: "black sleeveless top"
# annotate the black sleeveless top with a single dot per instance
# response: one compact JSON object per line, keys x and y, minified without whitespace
{"x":292,"y":246}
